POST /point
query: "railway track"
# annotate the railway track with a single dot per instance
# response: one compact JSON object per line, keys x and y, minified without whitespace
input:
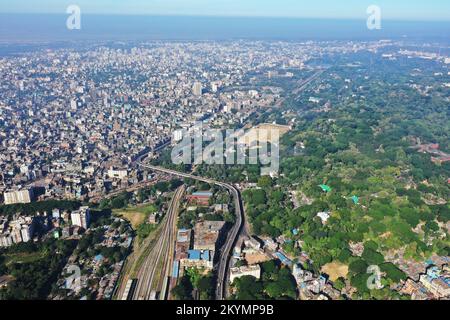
{"x":153,"y":273}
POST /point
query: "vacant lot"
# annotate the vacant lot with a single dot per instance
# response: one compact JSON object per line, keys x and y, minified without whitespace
{"x":263,"y":133}
{"x":335,"y":270}
{"x":256,"y":258}
{"x":136,"y":215}
{"x":269,"y":127}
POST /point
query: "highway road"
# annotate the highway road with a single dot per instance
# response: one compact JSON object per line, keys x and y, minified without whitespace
{"x":153,"y":272}
{"x":238,"y":230}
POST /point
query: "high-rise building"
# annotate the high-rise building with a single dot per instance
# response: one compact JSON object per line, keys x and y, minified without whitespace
{"x":26,"y":233}
{"x":197,"y":89}
{"x":81,"y":217}
{"x":177,"y":135}
{"x":73,"y":105}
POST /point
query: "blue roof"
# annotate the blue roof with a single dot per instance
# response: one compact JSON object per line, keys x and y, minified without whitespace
{"x":98,"y":257}
{"x":176,"y":269}
{"x":203,"y":193}
{"x":295,"y":232}
{"x":194,"y":254}
{"x":199,"y":255}
{"x":283,"y":258}
{"x":205,"y":255}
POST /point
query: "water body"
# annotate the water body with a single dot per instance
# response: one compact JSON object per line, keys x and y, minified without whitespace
{"x":40,"y":28}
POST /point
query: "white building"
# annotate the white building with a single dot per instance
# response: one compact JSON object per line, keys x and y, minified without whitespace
{"x":314,"y":100}
{"x":254,"y":271}
{"x":25,"y":233}
{"x":324,"y":216}
{"x":19,"y":230}
{"x":56,"y":214}
{"x":6,"y":240}
{"x":197,"y":89}
{"x":177,"y":135}
{"x":253,"y":93}
{"x":81,"y":218}
{"x":73,"y":105}
{"x":22,"y":196}
{"x":119,"y":174}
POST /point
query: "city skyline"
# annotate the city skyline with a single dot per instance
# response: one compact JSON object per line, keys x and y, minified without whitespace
{"x":435,"y":10}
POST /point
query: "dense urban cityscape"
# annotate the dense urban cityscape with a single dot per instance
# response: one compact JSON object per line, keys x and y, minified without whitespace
{"x":99,"y":202}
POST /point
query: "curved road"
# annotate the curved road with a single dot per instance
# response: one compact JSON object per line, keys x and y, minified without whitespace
{"x":238,"y":229}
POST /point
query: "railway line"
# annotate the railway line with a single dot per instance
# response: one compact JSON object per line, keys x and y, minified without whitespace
{"x":238,"y":230}
{"x":153,"y":272}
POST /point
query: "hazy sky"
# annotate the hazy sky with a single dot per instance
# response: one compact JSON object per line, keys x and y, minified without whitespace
{"x":341,"y":9}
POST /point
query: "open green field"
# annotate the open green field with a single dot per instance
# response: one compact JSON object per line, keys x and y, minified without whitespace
{"x":23,"y":257}
{"x":136,"y":215}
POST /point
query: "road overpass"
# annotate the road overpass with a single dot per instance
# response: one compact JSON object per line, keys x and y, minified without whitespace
{"x":239,"y":229}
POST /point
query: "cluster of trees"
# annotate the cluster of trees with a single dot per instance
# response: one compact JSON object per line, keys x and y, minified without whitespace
{"x":230,"y":173}
{"x":276,"y":283}
{"x":359,"y":274}
{"x":34,"y":280}
{"x":364,"y":151}
{"x":42,"y":206}
{"x":112,"y":254}
{"x":195,"y":282}
{"x":362,"y":147}
{"x":118,"y":202}
{"x":88,"y":245}
{"x":145,"y":229}
{"x":126,"y":198}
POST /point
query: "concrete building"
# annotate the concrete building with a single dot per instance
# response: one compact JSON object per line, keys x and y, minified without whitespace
{"x":207,"y":234}
{"x":21,"y":229}
{"x":177,"y":135}
{"x":81,"y":218}
{"x":118,"y":174}
{"x":200,"y":198}
{"x":437,"y":282}
{"x":26,"y":234}
{"x":197,"y":89}
{"x":254,"y":271}
{"x":22,"y":196}
{"x":6,"y":240}
{"x":198,"y":259}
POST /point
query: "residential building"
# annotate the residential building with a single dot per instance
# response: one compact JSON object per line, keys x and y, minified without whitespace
{"x":254,"y":271}
{"x":197,"y":89}
{"x":198,"y":259}
{"x":81,"y":217}
{"x":21,"y":196}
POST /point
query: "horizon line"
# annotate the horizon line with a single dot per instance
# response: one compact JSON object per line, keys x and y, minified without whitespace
{"x":229,"y":16}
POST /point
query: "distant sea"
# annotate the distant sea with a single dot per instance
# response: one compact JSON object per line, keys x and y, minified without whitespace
{"x":35,"y":28}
